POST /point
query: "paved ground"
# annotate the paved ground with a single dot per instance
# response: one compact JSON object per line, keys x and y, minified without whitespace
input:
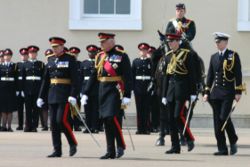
{"x":20,"y":149}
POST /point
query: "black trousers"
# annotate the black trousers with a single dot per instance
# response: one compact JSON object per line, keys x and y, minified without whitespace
{"x":177,"y":121}
{"x":143,"y":110}
{"x":164,"y":119}
{"x":113,"y":132}
{"x":20,"y":110}
{"x":32,"y":111}
{"x":221,"y":109}
{"x":59,"y":113}
{"x":154,"y":112}
{"x":92,"y":114}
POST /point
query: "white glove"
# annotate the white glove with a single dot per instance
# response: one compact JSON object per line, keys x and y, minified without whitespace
{"x":193,"y":98}
{"x":164,"y":101}
{"x":17,"y":93}
{"x":84,"y":100}
{"x":126,"y":101}
{"x":22,"y":94}
{"x":72,"y":100}
{"x":81,"y":95}
{"x":39,"y":102}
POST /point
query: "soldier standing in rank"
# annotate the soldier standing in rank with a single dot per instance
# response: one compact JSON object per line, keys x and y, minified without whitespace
{"x":1,"y":95}
{"x":178,"y":86}
{"x":141,"y":71}
{"x":154,"y":107}
{"x":113,"y":71}
{"x":182,"y":25}
{"x":223,"y":86}
{"x":32,"y":79}
{"x":75,"y":51}
{"x":91,"y":108}
{"x":60,"y":82}
{"x":20,"y":97}
{"x":9,"y":89}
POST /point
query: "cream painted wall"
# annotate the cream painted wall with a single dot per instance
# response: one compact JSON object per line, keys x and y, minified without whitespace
{"x":25,"y":22}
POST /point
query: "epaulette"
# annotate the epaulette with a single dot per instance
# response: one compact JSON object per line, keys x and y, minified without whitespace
{"x":186,"y":50}
{"x":168,"y":52}
{"x":50,"y":55}
{"x":119,"y":50}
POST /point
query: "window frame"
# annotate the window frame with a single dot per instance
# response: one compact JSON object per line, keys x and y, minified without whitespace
{"x":80,"y":21}
{"x":243,"y":22}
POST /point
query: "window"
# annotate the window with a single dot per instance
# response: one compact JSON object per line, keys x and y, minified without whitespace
{"x":243,"y":15}
{"x":105,"y":15}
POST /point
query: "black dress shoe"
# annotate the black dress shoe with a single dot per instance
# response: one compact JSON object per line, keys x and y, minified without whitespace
{"x":233,"y":149}
{"x":19,"y":128}
{"x":219,"y":153}
{"x":160,"y":142}
{"x":10,"y":130}
{"x":108,"y":156}
{"x":95,"y":131}
{"x":138,"y":133}
{"x":173,"y":151}
{"x":4,"y":129}
{"x":78,"y":129}
{"x":34,"y":130}
{"x":72,"y":150}
{"x":55,"y":155}
{"x":120,"y":152}
{"x":190,"y":145}
{"x":85,"y":131}
{"x":45,"y":128}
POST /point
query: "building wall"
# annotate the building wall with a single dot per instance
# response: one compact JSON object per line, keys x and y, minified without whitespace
{"x":28,"y":22}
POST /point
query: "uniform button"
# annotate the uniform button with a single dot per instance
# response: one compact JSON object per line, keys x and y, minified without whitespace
{"x":216,"y":80}
{"x":223,"y":80}
{"x":216,"y":84}
{"x":223,"y":84}
{"x":216,"y":76}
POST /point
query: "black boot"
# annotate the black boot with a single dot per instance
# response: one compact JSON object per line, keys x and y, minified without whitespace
{"x":173,"y":150}
{"x":160,"y":142}
{"x":72,"y":150}
{"x":55,"y":154}
{"x":108,"y":156}
{"x":120,"y":152}
{"x":190,"y":145}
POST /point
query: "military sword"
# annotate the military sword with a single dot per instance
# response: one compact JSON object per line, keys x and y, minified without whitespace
{"x":189,"y":110}
{"x":86,"y":126}
{"x":229,"y":115}
{"x":130,"y":136}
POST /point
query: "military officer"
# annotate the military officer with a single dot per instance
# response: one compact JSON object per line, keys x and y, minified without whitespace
{"x":113,"y":71}
{"x":223,"y":86}
{"x":142,"y":71}
{"x":9,"y":89}
{"x":91,"y":108}
{"x":180,"y":24}
{"x":75,"y":51}
{"x":20,"y":97}
{"x":178,"y":86}
{"x":60,"y":81}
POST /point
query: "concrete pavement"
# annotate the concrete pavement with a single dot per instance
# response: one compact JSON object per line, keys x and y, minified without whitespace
{"x":20,"y":149}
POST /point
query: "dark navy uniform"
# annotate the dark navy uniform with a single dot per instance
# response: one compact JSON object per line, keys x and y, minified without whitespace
{"x":60,"y":81}
{"x":113,"y":71}
{"x":91,"y":108}
{"x":224,"y":81}
{"x":33,"y":73}
{"x":142,"y":71}
{"x":179,"y":84}
{"x":20,"y":98}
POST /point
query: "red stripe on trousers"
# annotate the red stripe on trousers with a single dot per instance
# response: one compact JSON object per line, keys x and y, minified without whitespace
{"x":66,"y":123}
{"x":120,"y":131}
{"x":183,"y":119}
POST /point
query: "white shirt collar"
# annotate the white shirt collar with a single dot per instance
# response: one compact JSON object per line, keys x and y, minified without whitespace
{"x":223,"y":52}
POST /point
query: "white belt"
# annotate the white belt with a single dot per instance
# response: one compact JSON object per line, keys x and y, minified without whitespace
{"x":143,"y":77}
{"x":20,"y":78}
{"x":7,"y":79}
{"x":86,"y":78}
{"x":33,"y":78}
